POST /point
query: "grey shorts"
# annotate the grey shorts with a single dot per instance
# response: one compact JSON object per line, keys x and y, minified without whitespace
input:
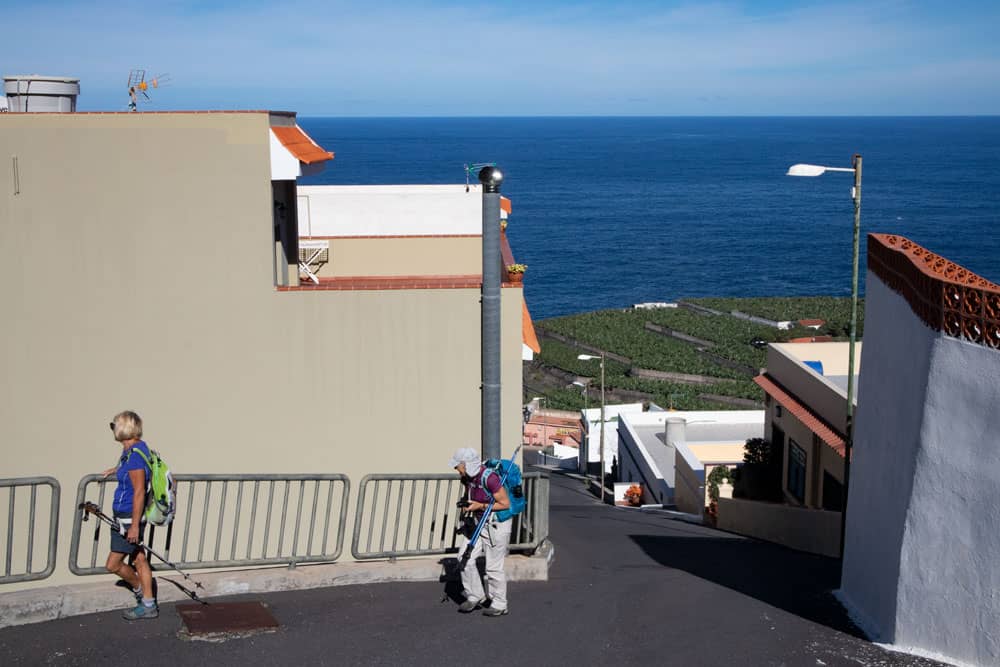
{"x":118,"y":542}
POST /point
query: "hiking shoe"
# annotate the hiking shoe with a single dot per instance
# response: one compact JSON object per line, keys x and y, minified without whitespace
{"x":469,"y":606}
{"x":493,"y":611}
{"x":140,"y":612}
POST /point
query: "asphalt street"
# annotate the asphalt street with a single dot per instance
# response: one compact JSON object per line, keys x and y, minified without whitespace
{"x":626,"y":587}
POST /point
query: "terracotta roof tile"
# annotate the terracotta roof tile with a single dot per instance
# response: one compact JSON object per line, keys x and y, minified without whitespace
{"x":528,"y":329}
{"x":809,"y":418}
{"x":300,"y":145}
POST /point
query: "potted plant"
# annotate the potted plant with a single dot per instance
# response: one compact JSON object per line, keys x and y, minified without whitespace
{"x":633,"y":495}
{"x":515,"y":272}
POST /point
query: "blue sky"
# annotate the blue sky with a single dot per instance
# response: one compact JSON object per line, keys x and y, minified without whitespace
{"x":548,"y":57}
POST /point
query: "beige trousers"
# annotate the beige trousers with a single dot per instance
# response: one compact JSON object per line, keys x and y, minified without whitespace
{"x":492,"y":542}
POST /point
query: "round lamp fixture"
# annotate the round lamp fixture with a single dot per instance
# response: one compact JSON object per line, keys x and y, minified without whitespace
{"x":491,"y":178}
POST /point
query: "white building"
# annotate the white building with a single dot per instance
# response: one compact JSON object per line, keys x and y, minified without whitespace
{"x":669,"y":453}
{"x":590,"y":446}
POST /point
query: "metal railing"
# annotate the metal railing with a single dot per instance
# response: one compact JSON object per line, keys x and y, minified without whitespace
{"x":21,"y":522}
{"x":210,"y":521}
{"x":415,"y":515}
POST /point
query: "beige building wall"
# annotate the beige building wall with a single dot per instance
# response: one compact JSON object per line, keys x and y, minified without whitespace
{"x":820,"y":457}
{"x":784,"y":363}
{"x":815,"y":531}
{"x":137,"y":272}
{"x":403,"y":256}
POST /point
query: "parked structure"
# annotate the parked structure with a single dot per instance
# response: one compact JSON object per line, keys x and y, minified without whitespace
{"x":152,"y":261}
{"x":670,"y":453}
{"x":923,"y":517}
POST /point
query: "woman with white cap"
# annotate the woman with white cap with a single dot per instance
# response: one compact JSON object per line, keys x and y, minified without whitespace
{"x":482,"y":487}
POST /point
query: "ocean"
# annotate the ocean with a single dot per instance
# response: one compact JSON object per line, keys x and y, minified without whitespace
{"x":608,"y":212}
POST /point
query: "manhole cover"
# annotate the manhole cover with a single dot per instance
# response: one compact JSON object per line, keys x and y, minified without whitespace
{"x":222,"y":621}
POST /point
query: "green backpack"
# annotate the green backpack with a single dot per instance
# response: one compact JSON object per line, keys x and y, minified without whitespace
{"x":160,"y":507}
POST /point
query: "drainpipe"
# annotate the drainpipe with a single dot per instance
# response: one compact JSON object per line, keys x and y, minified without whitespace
{"x":491,"y":178}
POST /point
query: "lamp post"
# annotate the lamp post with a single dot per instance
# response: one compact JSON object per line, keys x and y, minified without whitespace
{"x":589,"y":357}
{"x":817,"y":170}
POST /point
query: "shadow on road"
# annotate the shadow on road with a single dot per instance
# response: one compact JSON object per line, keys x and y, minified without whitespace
{"x":796,"y":582}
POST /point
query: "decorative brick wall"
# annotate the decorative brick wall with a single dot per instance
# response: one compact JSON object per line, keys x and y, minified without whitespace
{"x":944,"y":295}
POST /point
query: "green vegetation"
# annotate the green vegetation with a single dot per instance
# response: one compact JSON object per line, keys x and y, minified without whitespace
{"x":719,"y":475}
{"x":835,"y":310}
{"x":624,"y":333}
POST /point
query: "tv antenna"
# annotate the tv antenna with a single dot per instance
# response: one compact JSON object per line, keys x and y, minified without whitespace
{"x":475,"y":167}
{"x":139,"y":85}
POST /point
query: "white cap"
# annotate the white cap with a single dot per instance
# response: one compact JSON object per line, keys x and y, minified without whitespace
{"x":469,"y":457}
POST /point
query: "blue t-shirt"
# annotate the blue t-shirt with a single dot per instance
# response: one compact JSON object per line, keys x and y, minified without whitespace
{"x":129,"y":461}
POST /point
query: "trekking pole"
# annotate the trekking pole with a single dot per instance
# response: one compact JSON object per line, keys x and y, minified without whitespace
{"x":116,"y":525}
{"x":464,"y":560}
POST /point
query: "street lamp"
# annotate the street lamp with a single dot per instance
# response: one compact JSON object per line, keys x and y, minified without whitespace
{"x":589,"y":357}
{"x":817,"y":170}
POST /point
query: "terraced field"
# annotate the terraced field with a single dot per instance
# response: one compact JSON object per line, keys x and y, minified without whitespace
{"x":716,"y":348}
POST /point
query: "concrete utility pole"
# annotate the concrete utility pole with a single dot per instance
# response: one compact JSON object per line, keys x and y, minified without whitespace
{"x":491,"y":178}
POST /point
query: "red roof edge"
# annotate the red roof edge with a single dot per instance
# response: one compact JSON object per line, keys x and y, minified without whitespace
{"x":301,"y":144}
{"x":809,"y":419}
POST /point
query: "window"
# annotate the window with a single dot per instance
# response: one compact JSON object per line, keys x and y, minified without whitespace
{"x":796,"y":471}
{"x":777,"y":410}
{"x":833,"y":493}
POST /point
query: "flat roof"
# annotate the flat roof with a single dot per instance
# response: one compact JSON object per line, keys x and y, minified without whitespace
{"x":833,"y":356}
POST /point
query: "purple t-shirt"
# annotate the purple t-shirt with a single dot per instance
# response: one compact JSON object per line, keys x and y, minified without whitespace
{"x":476,"y":490}
{"x":129,"y":461}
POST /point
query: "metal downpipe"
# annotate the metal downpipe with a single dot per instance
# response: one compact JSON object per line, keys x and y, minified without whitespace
{"x":491,"y":178}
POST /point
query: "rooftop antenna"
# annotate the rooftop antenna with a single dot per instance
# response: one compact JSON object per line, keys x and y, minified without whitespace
{"x":474,"y":168}
{"x":138,"y":85}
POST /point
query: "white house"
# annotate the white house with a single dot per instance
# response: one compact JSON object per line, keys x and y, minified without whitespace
{"x":670,"y":452}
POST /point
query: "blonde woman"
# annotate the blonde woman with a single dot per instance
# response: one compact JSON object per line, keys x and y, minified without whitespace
{"x":129,"y":504}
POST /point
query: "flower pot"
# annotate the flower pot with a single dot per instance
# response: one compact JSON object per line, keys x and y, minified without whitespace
{"x":516,"y":278}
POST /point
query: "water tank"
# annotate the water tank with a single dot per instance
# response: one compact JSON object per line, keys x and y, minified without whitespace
{"x":33,"y":92}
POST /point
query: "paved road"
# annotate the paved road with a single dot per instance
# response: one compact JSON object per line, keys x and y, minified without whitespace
{"x":626,"y":587}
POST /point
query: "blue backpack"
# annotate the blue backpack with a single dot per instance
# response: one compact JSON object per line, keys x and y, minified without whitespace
{"x":513,"y":485}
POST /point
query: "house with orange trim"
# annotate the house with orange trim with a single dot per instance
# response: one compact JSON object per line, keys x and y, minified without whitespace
{"x":156,"y":262}
{"x":805,"y":415}
{"x":805,"y":398}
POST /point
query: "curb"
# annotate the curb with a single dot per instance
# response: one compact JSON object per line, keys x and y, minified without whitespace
{"x":37,"y":605}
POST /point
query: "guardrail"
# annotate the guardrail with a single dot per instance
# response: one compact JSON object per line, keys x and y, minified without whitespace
{"x":23,"y":522}
{"x":210,"y":526}
{"x":401,"y":515}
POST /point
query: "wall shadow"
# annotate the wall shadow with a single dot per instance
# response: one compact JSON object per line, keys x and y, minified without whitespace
{"x":796,"y":582}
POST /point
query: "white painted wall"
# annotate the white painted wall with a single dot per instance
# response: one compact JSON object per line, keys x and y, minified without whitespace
{"x":389,"y":210}
{"x":637,"y":466}
{"x":591,"y":445}
{"x":923,"y":520}
{"x":644,"y":454}
{"x":284,"y":165}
